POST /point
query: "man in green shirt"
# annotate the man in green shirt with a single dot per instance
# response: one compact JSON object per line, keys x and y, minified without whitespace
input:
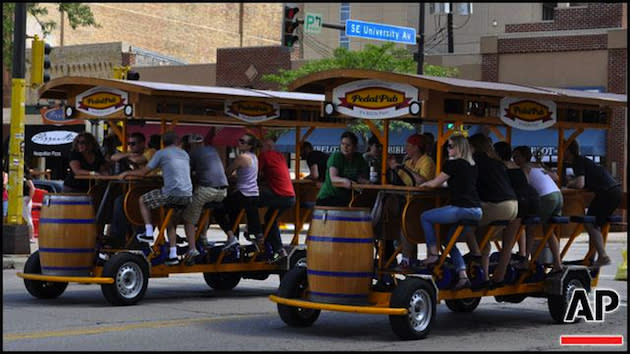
{"x":343,"y":167}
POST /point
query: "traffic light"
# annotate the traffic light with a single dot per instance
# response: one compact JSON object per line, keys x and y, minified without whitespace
{"x":289,"y":26}
{"x":37,"y":61}
{"x":40,"y":62}
{"x":47,"y":64}
{"x":124,"y":73}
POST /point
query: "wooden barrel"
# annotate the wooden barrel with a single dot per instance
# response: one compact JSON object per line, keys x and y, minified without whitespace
{"x":340,"y":255}
{"x":67,"y":234}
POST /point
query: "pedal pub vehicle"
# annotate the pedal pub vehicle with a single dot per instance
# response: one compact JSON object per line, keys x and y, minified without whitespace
{"x":346,"y":272}
{"x":71,"y":225}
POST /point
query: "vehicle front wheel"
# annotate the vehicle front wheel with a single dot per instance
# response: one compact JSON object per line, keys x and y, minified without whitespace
{"x":293,"y":286}
{"x":37,"y":288}
{"x":131,"y":278}
{"x":417,"y":296}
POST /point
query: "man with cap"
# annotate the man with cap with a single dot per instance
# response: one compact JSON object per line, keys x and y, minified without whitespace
{"x":210,"y":185}
{"x":177,"y":189}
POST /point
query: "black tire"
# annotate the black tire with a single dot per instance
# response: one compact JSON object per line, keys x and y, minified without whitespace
{"x":558,"y":304}
{"x":293,"y":286}
{"x":222,"y":281}
{"x":418,"y":296}
{"x":513,"y":299}
{"x":463,"y":305}
{"x":131,"y":278}
{"x":37,"y":288}
{"x":297,"y":259}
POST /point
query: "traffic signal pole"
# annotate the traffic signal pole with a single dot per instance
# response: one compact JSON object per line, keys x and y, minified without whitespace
{"x":15,"y":232}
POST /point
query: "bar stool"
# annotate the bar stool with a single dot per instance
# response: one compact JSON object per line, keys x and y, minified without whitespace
{"x":159,"y":252}
{"x":208,"y":208}
{"x":445,"y":279}
{"x":308,"y":208}
{"x":535,"y":270}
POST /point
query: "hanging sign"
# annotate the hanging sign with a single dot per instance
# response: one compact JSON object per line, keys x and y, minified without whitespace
{"x":252,"y":111}
{"x":374,"y":99}
{"x":528,"y":114}
{"x":101,"y":101}
{"x":54,"y":115}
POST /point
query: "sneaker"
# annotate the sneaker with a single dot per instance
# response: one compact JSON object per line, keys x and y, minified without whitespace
{"x":172,"y":261}
{"x":231,"y":243}
{"x":602,"y":261}
{"x":278,"y":256}
{"x":189,"y":258}
{"x":103,"y":256}
{"x":142,"y":237}
{"x":260,"y":244}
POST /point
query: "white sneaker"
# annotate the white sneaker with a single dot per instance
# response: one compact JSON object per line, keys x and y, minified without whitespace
{"x":231,"y":242}
{"x":142,"y":237}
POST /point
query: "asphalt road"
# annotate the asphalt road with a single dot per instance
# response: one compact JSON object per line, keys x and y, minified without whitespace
{"x":181,"y":313}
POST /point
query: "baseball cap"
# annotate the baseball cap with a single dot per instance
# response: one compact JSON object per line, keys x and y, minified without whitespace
{"x":196,"y":138}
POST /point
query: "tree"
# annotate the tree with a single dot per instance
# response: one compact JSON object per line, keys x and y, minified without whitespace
{"x":387,"y":57}
{"x":78,"y":15}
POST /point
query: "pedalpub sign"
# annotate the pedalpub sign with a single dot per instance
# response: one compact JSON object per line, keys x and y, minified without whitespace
{"x":374,"y":99}
{"x":528,"y":114}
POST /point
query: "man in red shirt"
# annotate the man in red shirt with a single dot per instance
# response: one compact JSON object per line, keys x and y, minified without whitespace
{"x":276,"y":192}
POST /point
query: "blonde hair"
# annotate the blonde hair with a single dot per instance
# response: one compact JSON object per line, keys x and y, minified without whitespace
{"x":460,"y":142}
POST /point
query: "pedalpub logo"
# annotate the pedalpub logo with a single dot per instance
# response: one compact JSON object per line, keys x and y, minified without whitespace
{"x":579,"y":307}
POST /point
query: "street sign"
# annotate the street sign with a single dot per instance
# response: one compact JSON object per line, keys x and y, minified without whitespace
{"x":312,"y":23}
{"x":380,"y":32}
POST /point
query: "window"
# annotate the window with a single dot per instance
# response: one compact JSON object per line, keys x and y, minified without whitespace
{"x":547,"y":10}
{"x":344,"y":14}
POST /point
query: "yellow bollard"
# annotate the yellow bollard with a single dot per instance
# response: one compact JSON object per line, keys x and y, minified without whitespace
{"x":622,"y":269}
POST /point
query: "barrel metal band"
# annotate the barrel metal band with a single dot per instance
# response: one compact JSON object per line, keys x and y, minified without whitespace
{"x":66,"y":250}
{"x":338,"y":239}
{"x":327,"y":273}
{"x":357,"y":296}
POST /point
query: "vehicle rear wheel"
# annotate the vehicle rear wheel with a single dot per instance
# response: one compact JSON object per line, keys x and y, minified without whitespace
{"x":558,"y":304}
{"x":463,"y":305}
{"x":293,"y":286}
{"x":222,"y":281}
{"x":37,"y":288}
{"x":131,"y":278}
{"x":418,"y":296}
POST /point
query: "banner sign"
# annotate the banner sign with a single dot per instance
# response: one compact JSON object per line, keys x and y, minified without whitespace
{"x":101,"y":101}
{"x":252,"y":111}
{"x":54,"y":115}
{"x":528,"y":114}
{"x":49,"y":140}
{"x":374,"y":99}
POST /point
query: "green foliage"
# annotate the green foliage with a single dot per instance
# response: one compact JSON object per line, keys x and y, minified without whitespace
{"x":386,"y":57}
{"x":78,"y":15}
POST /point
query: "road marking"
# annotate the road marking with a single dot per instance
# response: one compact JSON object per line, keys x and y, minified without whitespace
{"x":105,"y":329}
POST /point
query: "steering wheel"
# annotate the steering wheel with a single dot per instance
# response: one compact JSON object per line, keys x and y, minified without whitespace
{"x":392,"y":174}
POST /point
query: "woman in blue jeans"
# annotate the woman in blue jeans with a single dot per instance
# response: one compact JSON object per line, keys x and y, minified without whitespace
{"x":461,"y":173}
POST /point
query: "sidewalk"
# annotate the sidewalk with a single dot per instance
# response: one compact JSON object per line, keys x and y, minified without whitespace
{"x":17,"y":261}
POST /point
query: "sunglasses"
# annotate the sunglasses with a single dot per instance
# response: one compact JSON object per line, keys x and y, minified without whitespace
{"x":82,"y":142}
{"x":450,"y":146}
{"x":131,"y":143}
{"x":243,"y":141}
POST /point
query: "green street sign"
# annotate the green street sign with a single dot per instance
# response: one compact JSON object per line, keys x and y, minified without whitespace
{"x":312,"y":23}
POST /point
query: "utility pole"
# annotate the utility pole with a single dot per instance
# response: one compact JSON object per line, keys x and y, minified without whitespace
{"x":449,"y":24}
{"x":420,"y":59}
{"x":15,"y":232}
{"x":240,"y":23}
